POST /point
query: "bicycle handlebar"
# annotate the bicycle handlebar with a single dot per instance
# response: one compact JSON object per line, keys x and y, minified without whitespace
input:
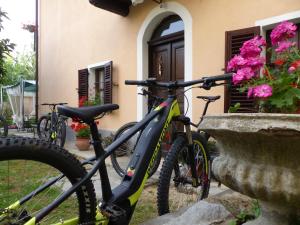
{"x":54,"y":104}
{"x":207,"y":81}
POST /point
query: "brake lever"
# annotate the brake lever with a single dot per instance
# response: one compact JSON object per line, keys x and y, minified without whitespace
{"x":208,"y":84}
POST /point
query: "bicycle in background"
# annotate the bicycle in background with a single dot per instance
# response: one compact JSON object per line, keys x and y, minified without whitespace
{"x":121,"y":157}
{"x":52,"y":127}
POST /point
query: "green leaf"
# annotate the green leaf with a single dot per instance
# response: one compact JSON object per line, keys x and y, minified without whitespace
{"x":234,"y":109}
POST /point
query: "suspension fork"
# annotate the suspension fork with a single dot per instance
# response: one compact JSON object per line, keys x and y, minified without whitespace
{"x":191,"y":156}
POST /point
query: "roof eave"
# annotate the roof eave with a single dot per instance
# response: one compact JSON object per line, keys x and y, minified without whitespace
{"x":120,"y":7}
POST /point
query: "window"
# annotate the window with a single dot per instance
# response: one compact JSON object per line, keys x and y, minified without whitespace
{"x":98,"y":88}
{"x":268,"y":39}
{"x":171,"y":25}
{"x":95,"y":83}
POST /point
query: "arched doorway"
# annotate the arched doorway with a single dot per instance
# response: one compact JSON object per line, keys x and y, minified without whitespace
{"x":166,"y":54}
{"x":145,"y":33}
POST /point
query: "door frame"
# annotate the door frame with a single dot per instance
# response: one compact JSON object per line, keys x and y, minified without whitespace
{"x":150,"y":23}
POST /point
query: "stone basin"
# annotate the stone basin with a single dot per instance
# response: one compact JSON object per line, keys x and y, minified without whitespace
{"x":260,"y":157}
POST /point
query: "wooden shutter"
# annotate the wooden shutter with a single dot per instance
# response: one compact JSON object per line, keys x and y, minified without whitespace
{"x":233,"y":41}
{"x":108,"y":83}
{"x":83,"y":84}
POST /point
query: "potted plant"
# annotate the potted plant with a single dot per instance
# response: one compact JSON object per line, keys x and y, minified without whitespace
{"x":82,"y":135}
{"x":260,"y":151}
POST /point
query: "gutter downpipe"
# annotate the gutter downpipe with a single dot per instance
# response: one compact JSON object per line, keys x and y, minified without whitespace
{"x":36,"y":45}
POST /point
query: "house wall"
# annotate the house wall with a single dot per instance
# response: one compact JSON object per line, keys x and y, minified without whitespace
{"x":75,"y":34}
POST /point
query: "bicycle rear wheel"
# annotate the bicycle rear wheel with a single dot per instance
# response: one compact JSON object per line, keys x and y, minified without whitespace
{"x":43,"y":127}
{"x":175,"y":189}
{"x":121,"y":157}
{"x":3,"y":127}
{"x":25,"y":165}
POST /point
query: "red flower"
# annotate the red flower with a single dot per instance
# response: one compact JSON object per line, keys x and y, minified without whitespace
{"x":296,"y":64}
{"x":279,"y":62}
{"x":82,"y":101}
{"x":73,"y":126}
{"x":294,"y":85}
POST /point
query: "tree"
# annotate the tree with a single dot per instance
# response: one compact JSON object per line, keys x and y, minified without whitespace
{"x":5,"y":48}
{"x":22,"y":66}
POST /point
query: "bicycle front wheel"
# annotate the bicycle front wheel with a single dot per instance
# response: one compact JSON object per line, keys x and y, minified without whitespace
{"x":3,"y":127}
{"x":175,"y":186}
{"x":29,"y":164}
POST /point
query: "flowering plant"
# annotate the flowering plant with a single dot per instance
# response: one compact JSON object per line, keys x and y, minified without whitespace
{"x":84,"y":101}
{"x":82,"y":130}
{"x":276,"y":87}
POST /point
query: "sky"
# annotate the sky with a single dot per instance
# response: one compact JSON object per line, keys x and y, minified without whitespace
{"x":19,"y":12}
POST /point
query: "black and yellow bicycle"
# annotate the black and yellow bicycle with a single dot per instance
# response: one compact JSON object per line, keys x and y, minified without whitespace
{"x":52,"y":127}
{"x":44,"y":184}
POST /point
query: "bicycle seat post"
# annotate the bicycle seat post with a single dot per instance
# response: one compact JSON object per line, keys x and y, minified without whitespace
{"x":205,"y":110}
{"x":99,"y":151}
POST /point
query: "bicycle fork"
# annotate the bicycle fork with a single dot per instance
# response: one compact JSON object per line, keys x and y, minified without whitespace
{"x":191,"y":156}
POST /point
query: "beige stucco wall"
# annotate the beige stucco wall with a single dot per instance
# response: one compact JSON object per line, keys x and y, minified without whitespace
{"x":75,"y":34}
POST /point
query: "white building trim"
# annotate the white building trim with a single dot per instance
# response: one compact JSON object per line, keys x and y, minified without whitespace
{"x":144,"y":35}
{"x":270,"y":22}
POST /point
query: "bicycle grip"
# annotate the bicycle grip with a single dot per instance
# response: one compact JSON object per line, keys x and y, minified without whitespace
{"x":136,"y":82}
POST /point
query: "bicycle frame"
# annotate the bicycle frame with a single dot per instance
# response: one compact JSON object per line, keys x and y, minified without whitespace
{"x":120,"y":202}
{"x":122,"y":199}
{"x":54,"y":121}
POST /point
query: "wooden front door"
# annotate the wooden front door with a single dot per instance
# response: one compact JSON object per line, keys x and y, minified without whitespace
{"x":167,"y":64}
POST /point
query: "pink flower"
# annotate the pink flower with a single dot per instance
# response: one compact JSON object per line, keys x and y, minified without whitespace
{"x":256,"y":63}
{"x":283,"y":31}
{"x":237,"y":78}
{"x":284,"y":45}
{"x":262,"y":91}
{"x":242,"y":74}
{"x":291,"y":69}
{"x":235,"y":63}
{"x":247,"y":72}
{"x":250,"y":92}
{"x":252,"y":47}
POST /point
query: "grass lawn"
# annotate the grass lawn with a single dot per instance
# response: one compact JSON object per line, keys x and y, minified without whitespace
{"x":146,"y":208}
{"x":26,"y":176}
{"x":21,"y":177}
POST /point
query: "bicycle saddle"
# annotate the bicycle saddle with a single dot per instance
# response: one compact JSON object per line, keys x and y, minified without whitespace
{"x":88,"y":113}
{"x":209,"y":98}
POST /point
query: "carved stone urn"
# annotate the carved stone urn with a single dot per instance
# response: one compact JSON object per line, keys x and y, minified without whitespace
{"x":260,"y":157}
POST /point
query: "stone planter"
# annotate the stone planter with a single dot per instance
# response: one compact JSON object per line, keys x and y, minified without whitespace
{"x":83,"y":144}
{"x":260,"y":157}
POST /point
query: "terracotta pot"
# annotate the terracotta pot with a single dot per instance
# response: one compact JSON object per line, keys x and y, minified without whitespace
{"x":259,"y":157}
{"x":83,"y":144}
